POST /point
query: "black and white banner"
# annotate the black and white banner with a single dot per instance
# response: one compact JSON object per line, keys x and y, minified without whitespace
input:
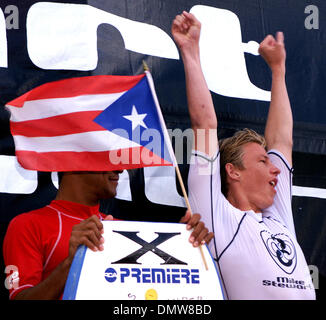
{"x":144,"y":261}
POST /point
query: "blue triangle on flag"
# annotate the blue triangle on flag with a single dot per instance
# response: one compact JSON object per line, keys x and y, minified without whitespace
{"x":134,"y":116}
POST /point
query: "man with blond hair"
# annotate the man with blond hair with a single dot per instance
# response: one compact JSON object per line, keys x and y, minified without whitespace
{"x":242,"y":188}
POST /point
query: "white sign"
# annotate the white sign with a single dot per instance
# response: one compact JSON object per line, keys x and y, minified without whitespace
{"x":3,"y":42}
{"x":63,"y":36}
{"x":143,"y":261}
{"x":222,"y":54}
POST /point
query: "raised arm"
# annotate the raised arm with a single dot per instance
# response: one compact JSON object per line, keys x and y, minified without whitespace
{"x":279,"y":126}
{"x":186,"y":32}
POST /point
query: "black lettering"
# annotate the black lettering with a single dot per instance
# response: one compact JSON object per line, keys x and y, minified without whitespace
{"x":148,"y":246}
{"x":266,"y":283}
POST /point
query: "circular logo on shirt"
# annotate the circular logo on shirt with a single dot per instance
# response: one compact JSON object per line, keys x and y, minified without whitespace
{"x":281,"y":249}
{"x":110,"y":275}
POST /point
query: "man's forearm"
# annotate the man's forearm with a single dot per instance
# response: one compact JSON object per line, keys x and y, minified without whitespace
{"x":279,"y":126}
{"x":186,"y":33}
{"x":200,"y":102}
{"x":200,"y":105}
{"x":49,"y":289}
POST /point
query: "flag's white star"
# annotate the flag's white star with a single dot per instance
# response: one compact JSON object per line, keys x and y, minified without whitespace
{"x":136,"y":118}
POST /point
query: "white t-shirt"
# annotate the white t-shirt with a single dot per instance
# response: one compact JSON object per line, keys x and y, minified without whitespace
{"x":257,"y":254}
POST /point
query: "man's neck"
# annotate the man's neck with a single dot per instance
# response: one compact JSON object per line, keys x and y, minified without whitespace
{"x":242,"y":203}
{"x":80,"y":200}
{"x":74,"y":192}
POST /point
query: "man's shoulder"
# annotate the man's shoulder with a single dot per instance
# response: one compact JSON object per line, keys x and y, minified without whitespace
{"x":278,"y":157}
{"x":30,"y":225}
{"x":32,"y":216}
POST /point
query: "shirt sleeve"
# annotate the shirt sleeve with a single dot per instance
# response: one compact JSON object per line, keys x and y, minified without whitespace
{"x":22,"y":253}
{"x":281,"y":209}
{"x":202,"y":172}
{"x":207,"y":199}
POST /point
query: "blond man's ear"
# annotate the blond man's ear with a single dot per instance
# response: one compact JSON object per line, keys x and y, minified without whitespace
{"x":232,"y":172}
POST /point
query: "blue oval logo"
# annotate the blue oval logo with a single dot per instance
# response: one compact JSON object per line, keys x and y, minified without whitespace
{"x":110,"y":275}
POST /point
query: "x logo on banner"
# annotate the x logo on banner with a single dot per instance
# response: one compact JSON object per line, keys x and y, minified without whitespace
{"x":148,"y":246}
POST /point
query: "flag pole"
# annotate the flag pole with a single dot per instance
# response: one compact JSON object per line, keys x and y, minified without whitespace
{"x":189,"y":208}
{"x":167,"y":138}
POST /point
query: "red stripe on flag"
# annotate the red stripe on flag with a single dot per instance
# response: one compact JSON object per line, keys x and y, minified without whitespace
{"x":130,"y":158}
{"x":78,"y":86}
{"x":61,"y":125}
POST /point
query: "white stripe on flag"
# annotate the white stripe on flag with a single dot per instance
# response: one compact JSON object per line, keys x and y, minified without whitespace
{"x":80,"y":142}
{"x":160,"y":115}
{"x":46,"y":108}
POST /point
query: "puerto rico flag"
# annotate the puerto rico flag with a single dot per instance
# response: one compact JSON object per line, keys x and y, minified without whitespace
{"x":95,"y":123}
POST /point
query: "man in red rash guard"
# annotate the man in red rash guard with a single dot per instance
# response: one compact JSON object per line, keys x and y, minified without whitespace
{"x":41,"y":244}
